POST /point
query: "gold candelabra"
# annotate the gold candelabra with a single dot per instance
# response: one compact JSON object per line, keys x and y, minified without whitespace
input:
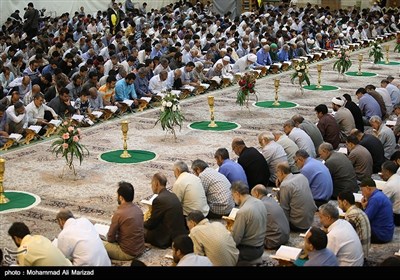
{"x":360,"y":59}
{"x":211,"y":104}
{"x":276,"y":84}
{"x":124,"y":128}
{"x":3,"y":198}
{"x":387,"y":48}
{"x":319,"y":69}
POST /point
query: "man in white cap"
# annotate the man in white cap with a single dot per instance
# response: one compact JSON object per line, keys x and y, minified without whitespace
{"x":226,"y":67}
{"x":244,"y":63}
{"x":344,"y":118}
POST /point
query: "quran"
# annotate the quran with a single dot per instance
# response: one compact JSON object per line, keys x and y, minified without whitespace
{"x":56,"y":123}
{"x":232,"y":215}
{"x":15,"y":136}
{"x":35,"y":128}
{"x":149,"y":201}
{"x":102,"y":230}
{"x":287,"y":253}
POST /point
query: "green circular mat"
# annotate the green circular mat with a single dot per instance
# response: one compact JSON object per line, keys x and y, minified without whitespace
{"x":19,"y":201}
{"x":390,"y":63}
{"x":222,"y":126}
{"x":323,"y":87}
{"x":364,"y":74}
{"x":269,"y":104}
{"x":137,"y":156}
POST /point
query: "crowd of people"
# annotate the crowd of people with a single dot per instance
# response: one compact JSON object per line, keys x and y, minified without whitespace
{"x":76,"y":64}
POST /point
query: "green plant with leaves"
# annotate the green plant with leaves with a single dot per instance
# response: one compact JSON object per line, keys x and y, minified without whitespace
{"x":376,"y":52}
{"x":301,"y":73}
{"x":397,"y":47}
{"x":247,"y":86}
{"x":343,"y":63}
{"x":68,"y":144}
{"x":170,"y":113}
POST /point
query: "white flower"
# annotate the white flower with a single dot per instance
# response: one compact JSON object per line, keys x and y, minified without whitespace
{"x":164,"y":103}
{"x":162,"y":109}
{"x":303,"y":67}
{"x":174,"y":108}
{"x":300,"y":74}
{"x":298,"y":68}
{"x":169,"y":104}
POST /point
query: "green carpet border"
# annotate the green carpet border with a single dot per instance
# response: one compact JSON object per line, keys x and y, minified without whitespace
{"x":324,"y":88}
{"x":354,"y":74}
{"x":37,"y":201}
{"x":237,"y":126}
{"x":391,"y":63}
{"x":280,"y":101}
{"x":129,"y":151}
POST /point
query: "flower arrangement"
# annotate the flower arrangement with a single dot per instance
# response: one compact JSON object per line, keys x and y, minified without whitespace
{"x":68,"y":144}
{"x":376,"y":52}
{"x":170,"y":113}
{"x":343,"y":63}
{"x":301,"y":73}
{"x":246,"y":83}
{"x":397,"y":47}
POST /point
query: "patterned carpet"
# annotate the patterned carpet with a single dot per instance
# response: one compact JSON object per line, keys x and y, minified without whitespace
{"x":35,"y":169}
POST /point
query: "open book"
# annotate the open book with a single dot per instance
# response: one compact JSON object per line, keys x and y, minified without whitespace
{"x":149,"y":201}
{"x":128,"y":102}
{"x":217,"y":79}
{"x":102,"y":230}
{"x":343,"y":150}
{"x":232,"y":215}
{"x":287,"y":253}
{"x":380,"y":184}
{"x":390,"y":123}
{"x":147,"y":99}
{"x":77,"y":117}
{"x":15,"y":136}
{"x":113,"y":109}
{"x":357,"y":197}
{"x":98,"y":114}
{"x":56,"y":123}
{"x":35,"y":128}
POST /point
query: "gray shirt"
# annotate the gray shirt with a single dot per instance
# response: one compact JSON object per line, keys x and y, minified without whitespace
{"x":278,"y":229}
{"x":296,"y":200}
{"x":312,"y":130}
{"x":345,"y":120}
{"x":303,"y":141}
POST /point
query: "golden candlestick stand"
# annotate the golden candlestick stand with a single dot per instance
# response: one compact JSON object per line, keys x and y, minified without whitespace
{"x":387,"y":48}
{"x":124,"y":128}
{"x":211,"y":104}
{"x":276,"y":84}
{"x":360,"y":59}
{"x":319,"y":69}
{"x":3,"y":198}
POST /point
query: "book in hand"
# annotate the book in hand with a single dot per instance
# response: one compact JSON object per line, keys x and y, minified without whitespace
{"x":287,"y":253}
{"x":380,"y":184}
{"x":149,"y":201}
{"x":232,"y":214}
{"x":102,"y":230}
{"x":98,"y":114}
{"x":56,"y":123}
{"x":35,"y":128}
{"x":358,"y":197}
{"x":343,"y":150}
{"x":15,"y":136}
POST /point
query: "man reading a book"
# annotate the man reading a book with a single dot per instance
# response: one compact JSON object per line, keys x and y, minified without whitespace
{"x":315,"y":243}
{"x":166,"y":219}
{"x":36,"y":111}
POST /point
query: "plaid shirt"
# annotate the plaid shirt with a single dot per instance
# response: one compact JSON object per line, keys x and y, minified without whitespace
{"x":217,"y":189}
{"x":359,"y":220}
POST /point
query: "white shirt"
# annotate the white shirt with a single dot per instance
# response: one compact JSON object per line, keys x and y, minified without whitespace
{"x":392,"y":191}
{"x":344,"y":242}
{"x":155,"y":84}
{"x":80,"y":242}
{"x":35,"y":113}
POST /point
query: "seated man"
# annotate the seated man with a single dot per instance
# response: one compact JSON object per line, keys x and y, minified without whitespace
{"x":278,"y":230}
{"x":166,"y":220}
{"x":125,"y":89}
{"x":212,"y":240}
{"x":232,"y":170}
{"x":315,"y":243}
{"x":125,"y":238}
{"x":62,"y":104}
{"x":36,"y":112}
{"x":17,"y":119}
{"x":379,"y":210}
{"x":79,"y":241}
{"x":183,"y":253}
{"x":217,"y":189}
{"x":391,"y":188}
{"x":250,"y":223}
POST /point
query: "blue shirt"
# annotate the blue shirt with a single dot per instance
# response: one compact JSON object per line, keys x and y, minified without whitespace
{"x":233,"y":171}
{"x":369,"y":106}
{"x":283,"y":55}
{"x":380,"y":214}
{"x":141,"y":86}
{"x":319,"y":178}
{"x":324,"y":257}
{"x":124,"y":91}
{"x":263,"y":58}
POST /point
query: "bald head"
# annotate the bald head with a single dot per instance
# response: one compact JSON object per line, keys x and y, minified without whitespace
{"x":35,"y":89}
{"x":258,"y":191}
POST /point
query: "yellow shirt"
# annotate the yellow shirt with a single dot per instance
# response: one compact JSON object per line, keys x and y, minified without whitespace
{"x":37,"y":250}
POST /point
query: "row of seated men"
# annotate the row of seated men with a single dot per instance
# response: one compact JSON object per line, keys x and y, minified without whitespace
{"x":262,"y":221}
